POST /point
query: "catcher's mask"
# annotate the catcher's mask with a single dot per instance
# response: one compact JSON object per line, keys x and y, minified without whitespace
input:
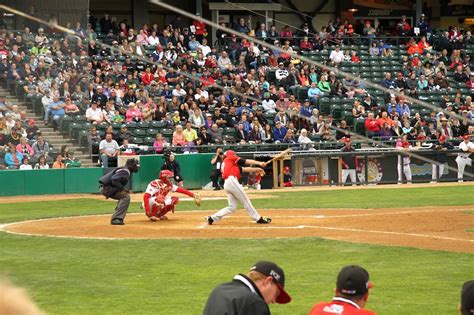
{"x":166,"y":175}
{"x":132,"y":165}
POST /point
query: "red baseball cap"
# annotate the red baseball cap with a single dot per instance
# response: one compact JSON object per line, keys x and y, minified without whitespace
{"x":346,"y":139}
{"x":286,"y":169}
{"x":442,"y":138}
{"x":466,"y":137}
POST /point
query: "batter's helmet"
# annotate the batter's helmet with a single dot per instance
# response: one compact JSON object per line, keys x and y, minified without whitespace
{"x":229,"y":153}
{"x":166,"y":175}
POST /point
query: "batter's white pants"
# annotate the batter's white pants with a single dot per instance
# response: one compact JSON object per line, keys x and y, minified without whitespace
{"x":406,"y":169}
{"x":462,"y":162}
{"x":235,"y":193}
{"x":437,"y":171}
{"x":348,"y":172}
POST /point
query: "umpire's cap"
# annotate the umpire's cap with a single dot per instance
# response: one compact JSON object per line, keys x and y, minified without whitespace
{"x":353,"y":280}
{"x":467,"y":298}
{"x":269,"y":268}
{"x":132,"y":165}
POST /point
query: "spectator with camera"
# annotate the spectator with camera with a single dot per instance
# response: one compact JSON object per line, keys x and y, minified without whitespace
{"x":170,"y":163}
{"x":216,"y":168}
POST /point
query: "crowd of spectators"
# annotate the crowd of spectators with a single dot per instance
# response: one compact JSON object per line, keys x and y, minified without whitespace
{"x":233,"y":91}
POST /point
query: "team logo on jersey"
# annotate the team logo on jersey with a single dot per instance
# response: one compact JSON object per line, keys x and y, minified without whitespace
{"x":374,"y":170}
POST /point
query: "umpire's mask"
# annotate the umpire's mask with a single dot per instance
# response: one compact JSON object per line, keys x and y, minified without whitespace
{"x":132,"y":165}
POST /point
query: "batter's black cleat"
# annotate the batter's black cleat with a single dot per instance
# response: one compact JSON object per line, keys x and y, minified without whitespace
{"x":263,"y":220}
{"x":209,"y":220}
{"x":117,"y":221}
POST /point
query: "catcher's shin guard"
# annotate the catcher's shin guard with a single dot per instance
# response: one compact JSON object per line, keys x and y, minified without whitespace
{"x":154,"y":210}
{"x":165,"y":210}
{"x":170,"y":207}
{"x":174,"y":201}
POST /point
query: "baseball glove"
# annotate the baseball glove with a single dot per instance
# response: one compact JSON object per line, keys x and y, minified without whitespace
{"x":160,"y":201}
{"x":197,"y":199}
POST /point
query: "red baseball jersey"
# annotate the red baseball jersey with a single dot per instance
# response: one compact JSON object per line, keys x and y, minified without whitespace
{"x":339,"y":306}
{"x":230,"y":167}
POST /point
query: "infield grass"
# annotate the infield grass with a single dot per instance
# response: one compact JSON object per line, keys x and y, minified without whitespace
{"x":68,"y":276}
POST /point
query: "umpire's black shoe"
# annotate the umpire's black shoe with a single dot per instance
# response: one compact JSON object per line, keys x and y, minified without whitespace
{"x":209,"y":220}
{"x":117,"y":221}
{"x":263,"y":220}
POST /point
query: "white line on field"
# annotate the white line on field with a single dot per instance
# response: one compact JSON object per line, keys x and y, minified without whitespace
{"x":339,"y":229}
{"x":361,"y":214}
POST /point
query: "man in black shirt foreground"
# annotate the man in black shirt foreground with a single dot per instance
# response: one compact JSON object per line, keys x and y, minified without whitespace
{"x":251,"y":293}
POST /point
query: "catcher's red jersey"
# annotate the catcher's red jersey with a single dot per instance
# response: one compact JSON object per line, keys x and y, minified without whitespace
{"x":339,"y":306}
{"x":230,"y":168}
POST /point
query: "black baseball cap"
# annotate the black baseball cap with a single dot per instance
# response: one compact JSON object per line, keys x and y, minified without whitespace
{"x":353,"y":280}
{"x":269,"y":268}
{"x":467,"y":297}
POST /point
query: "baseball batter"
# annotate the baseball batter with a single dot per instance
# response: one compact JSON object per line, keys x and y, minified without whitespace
{"x":231,"y":168}
{"x":156,"y":201}
{"x":463,"y":158}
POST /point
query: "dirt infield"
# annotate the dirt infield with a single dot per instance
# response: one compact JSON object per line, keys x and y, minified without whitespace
{"x":440,"y":228}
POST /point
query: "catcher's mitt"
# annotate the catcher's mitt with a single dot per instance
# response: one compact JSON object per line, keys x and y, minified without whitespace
{"x":160,"y":201}
{"x":197,"y":199}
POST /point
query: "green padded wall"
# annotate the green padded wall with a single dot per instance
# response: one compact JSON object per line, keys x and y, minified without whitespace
{"x":44,"y":182}
{"x":12,"y":183}
{"x":195,"y":169}
{"x":82,"y":180}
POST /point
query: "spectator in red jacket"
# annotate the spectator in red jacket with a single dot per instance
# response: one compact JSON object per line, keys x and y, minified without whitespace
{"x":413,"y":48}
{"x":372,"y":126}
{"x":403,"y":27}
{"x":147,"y":77}
{"x":200,"y":29}
{"x":305,"y":44}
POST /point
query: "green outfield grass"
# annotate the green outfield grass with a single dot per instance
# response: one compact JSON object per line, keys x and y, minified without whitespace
{"x":67,"y":276}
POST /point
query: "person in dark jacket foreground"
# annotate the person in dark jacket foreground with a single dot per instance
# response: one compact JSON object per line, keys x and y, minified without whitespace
{"x":251,"y":293}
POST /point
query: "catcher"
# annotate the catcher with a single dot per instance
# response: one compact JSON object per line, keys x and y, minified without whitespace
{"x":156,"y":201}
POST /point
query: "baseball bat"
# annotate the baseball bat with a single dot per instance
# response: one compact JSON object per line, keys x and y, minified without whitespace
{"x":279,"y":155}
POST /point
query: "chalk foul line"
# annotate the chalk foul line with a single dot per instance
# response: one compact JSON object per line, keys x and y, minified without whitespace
{"x":341,"y":229}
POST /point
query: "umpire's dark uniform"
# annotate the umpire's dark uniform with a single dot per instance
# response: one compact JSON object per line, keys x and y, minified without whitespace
{"x":113,"y":186}
{"x":238,"y":297}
